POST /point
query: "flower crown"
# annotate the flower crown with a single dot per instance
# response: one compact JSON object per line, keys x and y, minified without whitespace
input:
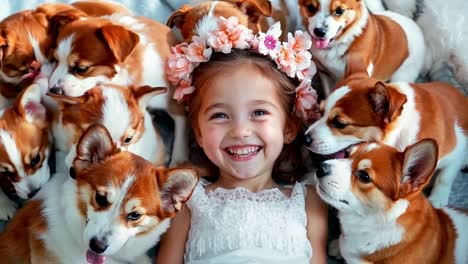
{"x":218,"y":34}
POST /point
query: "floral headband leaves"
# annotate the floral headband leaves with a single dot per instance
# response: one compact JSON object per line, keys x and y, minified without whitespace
{"x":219,"y":34}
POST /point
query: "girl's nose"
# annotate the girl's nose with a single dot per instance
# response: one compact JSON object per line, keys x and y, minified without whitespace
{"x":240,"y":130}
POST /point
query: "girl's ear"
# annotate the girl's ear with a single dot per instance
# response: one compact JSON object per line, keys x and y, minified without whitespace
{"x":290,"y":130}
{"x":198,"y":136}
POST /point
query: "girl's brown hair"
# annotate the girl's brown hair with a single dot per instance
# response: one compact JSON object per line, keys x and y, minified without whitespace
{"x":286,"y":169}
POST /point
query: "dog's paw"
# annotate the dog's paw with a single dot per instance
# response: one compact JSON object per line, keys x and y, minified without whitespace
{"x":7,"y":209}
{"x":439,"y":199}
{"x":334,"y":249}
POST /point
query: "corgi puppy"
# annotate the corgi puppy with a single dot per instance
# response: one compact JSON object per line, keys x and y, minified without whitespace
{"x":397,"y":114}
{"x":112,"y":209}
{"x":252,"y":13}
{"x":384,"y":216}
{"x":24,"y":149}
{"x":21,"y":33}
{"x":122,"y":50}
{"x":27,"y":37}
{"x":392,"y":46}
{"x":444,"y":32}
{"x":122,"y":110}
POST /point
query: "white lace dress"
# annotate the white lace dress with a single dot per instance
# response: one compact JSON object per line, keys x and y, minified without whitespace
{"x":238,"y":226}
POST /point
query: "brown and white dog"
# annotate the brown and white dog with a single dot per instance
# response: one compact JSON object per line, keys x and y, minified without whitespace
{"x":121,"y":110}
{"x":391,"y":45}
{"x":27,"y":36}
{"x":397,"y":114}
{"x":251,"y":13}
{"x":24,"y":149}
{"x":384,"y":216}
{"x":444,"y":31}
{"x":122,"y":50}
{"x":112,"y":209}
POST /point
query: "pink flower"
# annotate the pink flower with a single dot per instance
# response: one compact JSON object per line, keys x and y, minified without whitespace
{"x":197,"y":51}
{"x":183,"y":89}
{"x":220,"y":41}
{"x":268,"y":43}
{"x":180,"y":48}
{"x":306,"y":105}
{"x":300,"y":42}
{"x":308,"y":73}
{"x":178,"y":67}
{"x":286,"y":61}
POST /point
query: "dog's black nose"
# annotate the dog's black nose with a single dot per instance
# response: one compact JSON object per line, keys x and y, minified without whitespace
{"x":308,"y":140}
{"x":97,"y":246}
{"x":323,"y":170}
{"x":31,"y":194}
{"x":72,"y":172}
{"x":319,"y":32}
{"x":56,"y":90}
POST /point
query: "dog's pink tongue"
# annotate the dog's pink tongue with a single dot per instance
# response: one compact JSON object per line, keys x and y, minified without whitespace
{"x":339,"y":155}
{"x":94,"y":258}
{"x":321,"y":43}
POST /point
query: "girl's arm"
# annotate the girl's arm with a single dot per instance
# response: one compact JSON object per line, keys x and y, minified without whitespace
{"x":172,"y":245}
{"x":317,"y":226}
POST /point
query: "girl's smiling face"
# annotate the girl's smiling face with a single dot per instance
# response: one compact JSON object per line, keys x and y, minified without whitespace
{"x":241,"y":124}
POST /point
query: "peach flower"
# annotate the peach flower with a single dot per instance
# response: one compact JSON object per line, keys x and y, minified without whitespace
{"x":220,"y":41}
{"x":286,"y":61}
{"x":308,"y":73}
{"x":300,"y":42}
{"x":197,"y":51}
{"x":183,"y":89}
{"x":306,"y":105}
{"x":178,"y":67}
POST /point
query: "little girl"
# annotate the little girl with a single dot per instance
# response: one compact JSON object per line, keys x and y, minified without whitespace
{"x":244,"y":94}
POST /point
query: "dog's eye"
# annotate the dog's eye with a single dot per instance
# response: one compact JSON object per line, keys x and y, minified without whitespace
{"x":311,"y":8}
{"x":338,"y":123}
{"x":363,"y":176}
{"x":79,"y":69}
{"x":7,"y":174}
{"x":101,"y":200}
{"x":35,"y":161}
{"x":128,"y":139}
{"x":339,"y":11}
{"x":133,"y":216}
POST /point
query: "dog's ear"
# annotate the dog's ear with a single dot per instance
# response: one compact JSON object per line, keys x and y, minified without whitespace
{"x":176,"y":187}
{"x":58,"y":20}
{"x":144,"y":94}
{"x":419,"y":163}
{"x":29,"y":106}
{"x":386,"y":101}
{"x":68,"y":100}
{"x":120,"y":40}
{"x":255,"y":9}
{"x":94,"y":146}
{"x":177,"y":18}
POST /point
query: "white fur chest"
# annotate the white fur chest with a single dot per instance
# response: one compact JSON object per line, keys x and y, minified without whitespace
{"x":362,"y":235}
{"x":333,"y":60}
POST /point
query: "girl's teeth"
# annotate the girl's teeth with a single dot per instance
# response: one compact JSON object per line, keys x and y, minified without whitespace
{"x":243,"y":151}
